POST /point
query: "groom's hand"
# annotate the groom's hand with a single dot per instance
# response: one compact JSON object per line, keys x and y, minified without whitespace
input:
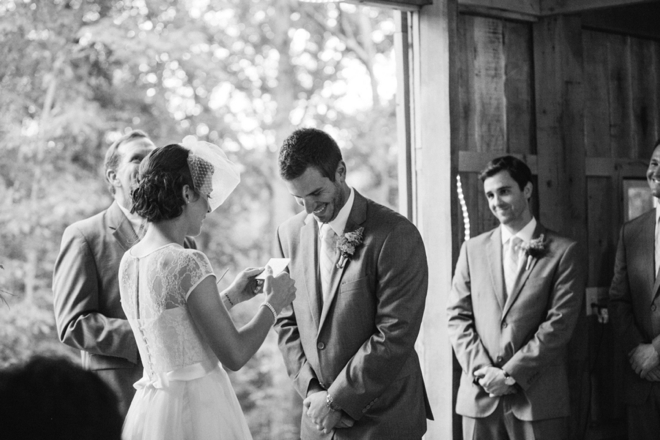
{"x":492,"y":380}
{"x":643,"y":359}
{"x":323,"y":417}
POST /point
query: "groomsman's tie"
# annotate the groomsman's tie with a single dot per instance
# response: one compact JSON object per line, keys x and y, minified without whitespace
{"x":511,"y":263}
{"x":327,"y":257}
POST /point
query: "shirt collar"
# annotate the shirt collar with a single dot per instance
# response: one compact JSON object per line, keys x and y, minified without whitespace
{"x":339,"y":223}
{"x":136,"y":221}
{"x":525,"y":234}
{"x":657,"y":214}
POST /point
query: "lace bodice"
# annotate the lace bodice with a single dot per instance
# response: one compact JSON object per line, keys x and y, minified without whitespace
{"x":154,"y":289}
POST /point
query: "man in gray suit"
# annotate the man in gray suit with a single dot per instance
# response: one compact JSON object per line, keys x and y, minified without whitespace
{"x":348,"y":339}
{"x":88,"y":313}
{"x":514,"y":302}
{"x":635,"y":312}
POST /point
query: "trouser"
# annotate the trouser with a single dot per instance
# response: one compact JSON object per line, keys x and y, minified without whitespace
{"x":502,"y":424}
{"x":644,"y":419}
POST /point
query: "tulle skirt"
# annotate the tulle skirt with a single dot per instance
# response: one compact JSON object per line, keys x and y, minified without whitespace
{"x":203,"y":408}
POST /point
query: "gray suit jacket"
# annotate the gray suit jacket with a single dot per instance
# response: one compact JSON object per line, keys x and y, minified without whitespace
{"x":634,"y":301}
{"x":526,"y":335}
{"x":359,"y":345}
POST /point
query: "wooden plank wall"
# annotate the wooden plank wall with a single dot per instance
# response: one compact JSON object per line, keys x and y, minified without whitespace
{"x":496,"y":101}
{"x":611,"y":87}
{"x":621,"y":88}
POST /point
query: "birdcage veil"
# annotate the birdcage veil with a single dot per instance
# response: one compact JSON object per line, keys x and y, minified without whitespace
{"x":212,"y":172}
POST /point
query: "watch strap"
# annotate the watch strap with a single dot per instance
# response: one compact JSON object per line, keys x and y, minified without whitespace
{"x":330,"y":403}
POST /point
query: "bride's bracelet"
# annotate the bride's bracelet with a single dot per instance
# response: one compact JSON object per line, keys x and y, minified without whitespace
{"x":271,"y":308}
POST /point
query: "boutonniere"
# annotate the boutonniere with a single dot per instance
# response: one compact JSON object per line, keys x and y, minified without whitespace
{"x":346,"y":245}
{"x":533,"y":249}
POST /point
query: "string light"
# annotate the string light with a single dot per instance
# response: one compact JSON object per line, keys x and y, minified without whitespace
{"x":461,"y":200}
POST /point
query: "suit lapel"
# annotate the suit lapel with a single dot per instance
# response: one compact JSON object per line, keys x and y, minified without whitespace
{"x":494,"y":253}
{"x":357,"y":216}
{"x":309,"y":239}
{"x":121,"y":227}
{"x":645,"y":241}
{"x":523,"y":273}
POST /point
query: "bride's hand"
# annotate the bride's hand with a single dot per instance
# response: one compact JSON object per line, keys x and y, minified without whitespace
{"x":244,"y":285}
{"x":280,"y":291}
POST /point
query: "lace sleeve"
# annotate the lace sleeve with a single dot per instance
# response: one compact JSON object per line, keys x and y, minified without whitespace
{"x":196,"y":269}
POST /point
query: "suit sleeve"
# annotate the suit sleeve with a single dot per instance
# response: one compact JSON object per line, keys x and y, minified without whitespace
{"x":470,"y":352}
{"x":298,"y":368}
{"x":76,"y":304}
{"x":621,"y":307}
{"x":402,"y":282}
{"x":556,"y":330}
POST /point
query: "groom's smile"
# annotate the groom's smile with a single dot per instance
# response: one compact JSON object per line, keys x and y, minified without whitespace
{"x":319,"y":195}
{"x":653,"y":173}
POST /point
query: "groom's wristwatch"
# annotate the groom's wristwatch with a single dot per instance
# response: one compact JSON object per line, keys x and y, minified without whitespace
{"x":508,"y":380}
{"x":330,"y":403}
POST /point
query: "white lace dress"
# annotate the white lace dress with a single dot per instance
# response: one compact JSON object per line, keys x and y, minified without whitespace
{"x":184,"y":393}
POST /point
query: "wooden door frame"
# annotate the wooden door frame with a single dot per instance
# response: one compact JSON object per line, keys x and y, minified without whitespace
{"x":427,"y":170}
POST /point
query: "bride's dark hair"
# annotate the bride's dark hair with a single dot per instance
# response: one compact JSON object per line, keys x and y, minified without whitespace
{"x":163,"y":174}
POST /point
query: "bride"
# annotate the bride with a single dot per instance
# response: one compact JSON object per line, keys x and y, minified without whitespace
{"x":171,"y":300}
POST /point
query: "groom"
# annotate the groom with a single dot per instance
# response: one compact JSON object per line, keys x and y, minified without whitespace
{"x":348,"y":339}
{"x":514,"y":303}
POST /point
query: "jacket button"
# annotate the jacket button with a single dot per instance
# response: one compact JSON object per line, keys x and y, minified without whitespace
{"x":505,"y":324}
{"x":320,"y":346}
{"x":499,"y":359}
{"x":653,"y":307}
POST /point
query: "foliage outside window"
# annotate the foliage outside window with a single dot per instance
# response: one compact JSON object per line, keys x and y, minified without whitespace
{"x":76,"y":74}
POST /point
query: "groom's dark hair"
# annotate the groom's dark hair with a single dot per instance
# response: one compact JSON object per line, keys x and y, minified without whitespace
{"x":517,"y":169}
{"x":309,"y":147}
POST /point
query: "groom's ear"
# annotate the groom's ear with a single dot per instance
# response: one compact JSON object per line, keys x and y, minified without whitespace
{"x":340,"y":173}
{"x":527,"y":191}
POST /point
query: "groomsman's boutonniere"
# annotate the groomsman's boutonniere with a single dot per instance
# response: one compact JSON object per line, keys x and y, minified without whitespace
{"x":346,"y":245}
{"x":534,"y":249}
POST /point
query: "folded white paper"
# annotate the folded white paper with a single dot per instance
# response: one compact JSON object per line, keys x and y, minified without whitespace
{"x":277,"y":264}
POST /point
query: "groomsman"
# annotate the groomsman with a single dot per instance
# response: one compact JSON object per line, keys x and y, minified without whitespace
{"x":348,"y":339}
{"x":635,"y":312}
{"x":88,"y":312}
{"x":513,"y":305}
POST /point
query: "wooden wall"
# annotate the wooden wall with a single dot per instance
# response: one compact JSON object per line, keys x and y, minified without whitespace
{"x":495,"y":112}
{"x":496,"y":104}
{"x":584,"y":114}
{"x":621,"y":120}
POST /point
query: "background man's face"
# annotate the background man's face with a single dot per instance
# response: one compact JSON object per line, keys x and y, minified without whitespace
{"x":506,"y":200}
{"x":653,"y":173}
{"x":317,"y":194}
{"x":131,"y":154}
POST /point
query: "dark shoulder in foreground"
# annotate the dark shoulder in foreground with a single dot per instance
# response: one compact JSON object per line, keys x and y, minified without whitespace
{"x":641,"y":218}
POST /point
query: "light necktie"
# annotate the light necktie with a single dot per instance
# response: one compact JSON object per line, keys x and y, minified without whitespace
{"x":511,"y":265}
{"x":327,"y":258}
{"x":657,"y":247}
